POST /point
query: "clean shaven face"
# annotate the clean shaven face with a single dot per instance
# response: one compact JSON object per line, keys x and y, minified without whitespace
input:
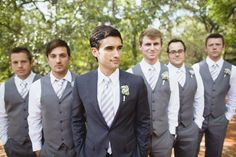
{"x":176,"y":54}
{"x":214,"y":48}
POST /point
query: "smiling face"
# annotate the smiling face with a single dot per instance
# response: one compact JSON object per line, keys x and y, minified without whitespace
{"x":176,"y":54}
{"x":108,"y":54}
{"x":58,"y":60}
{"x":214,"y":48}
{"x":151,"y":49}
{"x":20,"y":64}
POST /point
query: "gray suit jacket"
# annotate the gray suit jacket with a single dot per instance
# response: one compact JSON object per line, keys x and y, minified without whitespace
{"x":130,"y":130}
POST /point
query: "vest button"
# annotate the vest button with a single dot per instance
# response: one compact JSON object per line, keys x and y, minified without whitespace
{"x":62,"y":139}
{"x":60,"y":121}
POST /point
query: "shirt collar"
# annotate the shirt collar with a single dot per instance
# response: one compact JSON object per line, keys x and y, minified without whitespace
{"x":28,"y":80}
{"x":146,"y":65}
{"x":210,"y":62}
{"x":114,"y":76}
{"x":67,"y":77}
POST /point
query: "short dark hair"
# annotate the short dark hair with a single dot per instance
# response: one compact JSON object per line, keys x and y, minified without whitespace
{"x":151,"y":33}
{"x":214,"y":35}
{"x":102,"y":32}
{"x":175,"y":41}
{"x":56,"y":43}
{"x":21,"y":50}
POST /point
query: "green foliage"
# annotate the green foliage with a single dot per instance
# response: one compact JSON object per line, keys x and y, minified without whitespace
{"x":33,"y":23}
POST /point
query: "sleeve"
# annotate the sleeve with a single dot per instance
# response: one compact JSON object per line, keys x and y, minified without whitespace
{"x":35,"y":117}
{"x":231,"y":95}
{"x":3,"y":116}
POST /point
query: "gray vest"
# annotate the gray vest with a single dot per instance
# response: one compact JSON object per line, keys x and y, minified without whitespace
{"x":17,"y":111}
{"x":187,"y":93}
{"x":215,"y":91}
{"x":158,"y":100}
{"x":56,"y":114}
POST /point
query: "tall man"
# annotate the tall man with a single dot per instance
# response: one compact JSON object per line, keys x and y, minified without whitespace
{"x":14,"y":105}
{"x":50,"y":105}
{"x":110,"y":115}
{"x":219,"y":79}
{"x":163,"y":94}
{"x":191,"y":100}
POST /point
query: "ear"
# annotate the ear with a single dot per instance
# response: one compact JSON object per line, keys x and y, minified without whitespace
{"x":94,"y":51}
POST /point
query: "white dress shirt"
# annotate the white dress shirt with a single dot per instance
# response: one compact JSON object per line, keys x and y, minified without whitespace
{"x":198,"y":103}
{"x":173,"y":106}
{"x":231,"y":95}
{"x":35,"y":116}
{"x":115,"y":87}
{"x":3,"y":114}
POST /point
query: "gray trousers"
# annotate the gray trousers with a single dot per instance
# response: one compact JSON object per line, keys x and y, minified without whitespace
{"x":161,"y":146}
{"x":15,"y":149}
{"x":63,"y":151}
{"x":214,"y":130}
{"x":186,"y":143}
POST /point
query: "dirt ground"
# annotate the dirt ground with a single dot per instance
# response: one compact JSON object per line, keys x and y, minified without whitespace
{"x":229,"y":145}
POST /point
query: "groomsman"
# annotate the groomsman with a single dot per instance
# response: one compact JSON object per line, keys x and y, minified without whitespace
{"x":14,"y":105}
{"x":50,"y":105}
{"x":110,"y":115}
{"x":219,"y":79}
{"x":163,"y":94}
{"x":191,"y":100}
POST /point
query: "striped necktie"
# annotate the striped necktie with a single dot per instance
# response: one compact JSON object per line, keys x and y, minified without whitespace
{"x":59,"y":89}
{"x":151,"y":77}
{"x":180,"y":77}
{"x":24,"y":89}
{"x":214,"y":71}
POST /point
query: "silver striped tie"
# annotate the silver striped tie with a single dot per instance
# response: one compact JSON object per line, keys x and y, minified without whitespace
{"x":152,"y":76}
{"x":60,"y":89}
{"x":214,"y":72}
{"x":24,"y":89}
{"x":180,"y":77}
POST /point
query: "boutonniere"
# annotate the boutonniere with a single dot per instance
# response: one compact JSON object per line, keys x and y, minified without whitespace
{"x":227,"y":72}
{"x":165,"y":77}
{"x":124,"y":91}
{"x":191,"y":73}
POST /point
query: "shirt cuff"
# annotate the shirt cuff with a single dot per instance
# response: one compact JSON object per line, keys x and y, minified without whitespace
{"x":4,"y":140}
{"x":199,"y":123}
{"x":228,"y":116}
{"x":36,"y":146}
{"x":172,"y":130}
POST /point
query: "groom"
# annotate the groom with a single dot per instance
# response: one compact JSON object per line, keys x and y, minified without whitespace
{"x":110,"y":112}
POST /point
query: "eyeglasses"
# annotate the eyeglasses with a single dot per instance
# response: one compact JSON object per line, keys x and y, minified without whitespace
{"x":180,"y":51}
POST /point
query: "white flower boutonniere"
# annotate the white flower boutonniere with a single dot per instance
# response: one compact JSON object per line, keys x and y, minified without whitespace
{"x":165,"y":77}
{"x":191,"y":73}
{"x":124,"y":91}
{"x":227,"y":72}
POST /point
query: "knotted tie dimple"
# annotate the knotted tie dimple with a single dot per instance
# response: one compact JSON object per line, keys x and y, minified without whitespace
{"x":24,"y":89}
{"x":214,"y":72}
{"x":59,"y":89}
{"x":180,"y":77}
{"x":152,"y":76}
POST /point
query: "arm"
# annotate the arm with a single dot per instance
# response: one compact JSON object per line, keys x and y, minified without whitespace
{"x":198,"y":103}
{"x":231,"y":95}
{"x":78,"y":119}
{"x":35,"y":117}
{"x":173,"y":107}
{"x":3,"y":116}
{"x":142,"y":122}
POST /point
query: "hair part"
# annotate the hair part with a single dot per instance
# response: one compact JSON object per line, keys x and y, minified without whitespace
{"x":102,"y":32}
{"x":56,"y":43}
{"x":151,"y":33}
{"x":214,"y":35}
{"x":175,"y":41}
{"x":17,"y":50}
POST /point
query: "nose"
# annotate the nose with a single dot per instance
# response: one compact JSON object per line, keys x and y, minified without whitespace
{"x":117,"y":52}
{"x":58,"y":59}
{"x":19,"y":64}
{"x":152,"y":47}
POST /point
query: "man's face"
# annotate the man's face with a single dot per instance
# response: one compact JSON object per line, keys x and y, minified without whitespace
{"x":214,"y":48}
{"x":21,"y":64}
{"x":151,"y":49}
{"x":58,"y":61}
{"x":108,"y":54}
{"x":176,"y":54}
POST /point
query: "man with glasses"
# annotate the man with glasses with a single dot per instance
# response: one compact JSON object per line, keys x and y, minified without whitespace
{"x":163,"y":93}
{"x":191,"y":100}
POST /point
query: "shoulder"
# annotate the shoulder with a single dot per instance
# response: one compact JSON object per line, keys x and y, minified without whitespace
{"x":131,"y":77}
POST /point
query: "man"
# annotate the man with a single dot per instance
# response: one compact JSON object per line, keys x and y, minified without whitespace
{"x":14,"y":105}
{"x":191,"y":100}
{"x":219,"y":79}
{"x":50,"y":105}
{"x":163,"y":94}
{"x":110,"y":115}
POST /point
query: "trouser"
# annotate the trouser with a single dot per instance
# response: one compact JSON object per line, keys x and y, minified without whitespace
{"x":16,"y":149}
{"x":186,"y":143}
{"x":214,"y":130}
{"x":63,"y":151}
